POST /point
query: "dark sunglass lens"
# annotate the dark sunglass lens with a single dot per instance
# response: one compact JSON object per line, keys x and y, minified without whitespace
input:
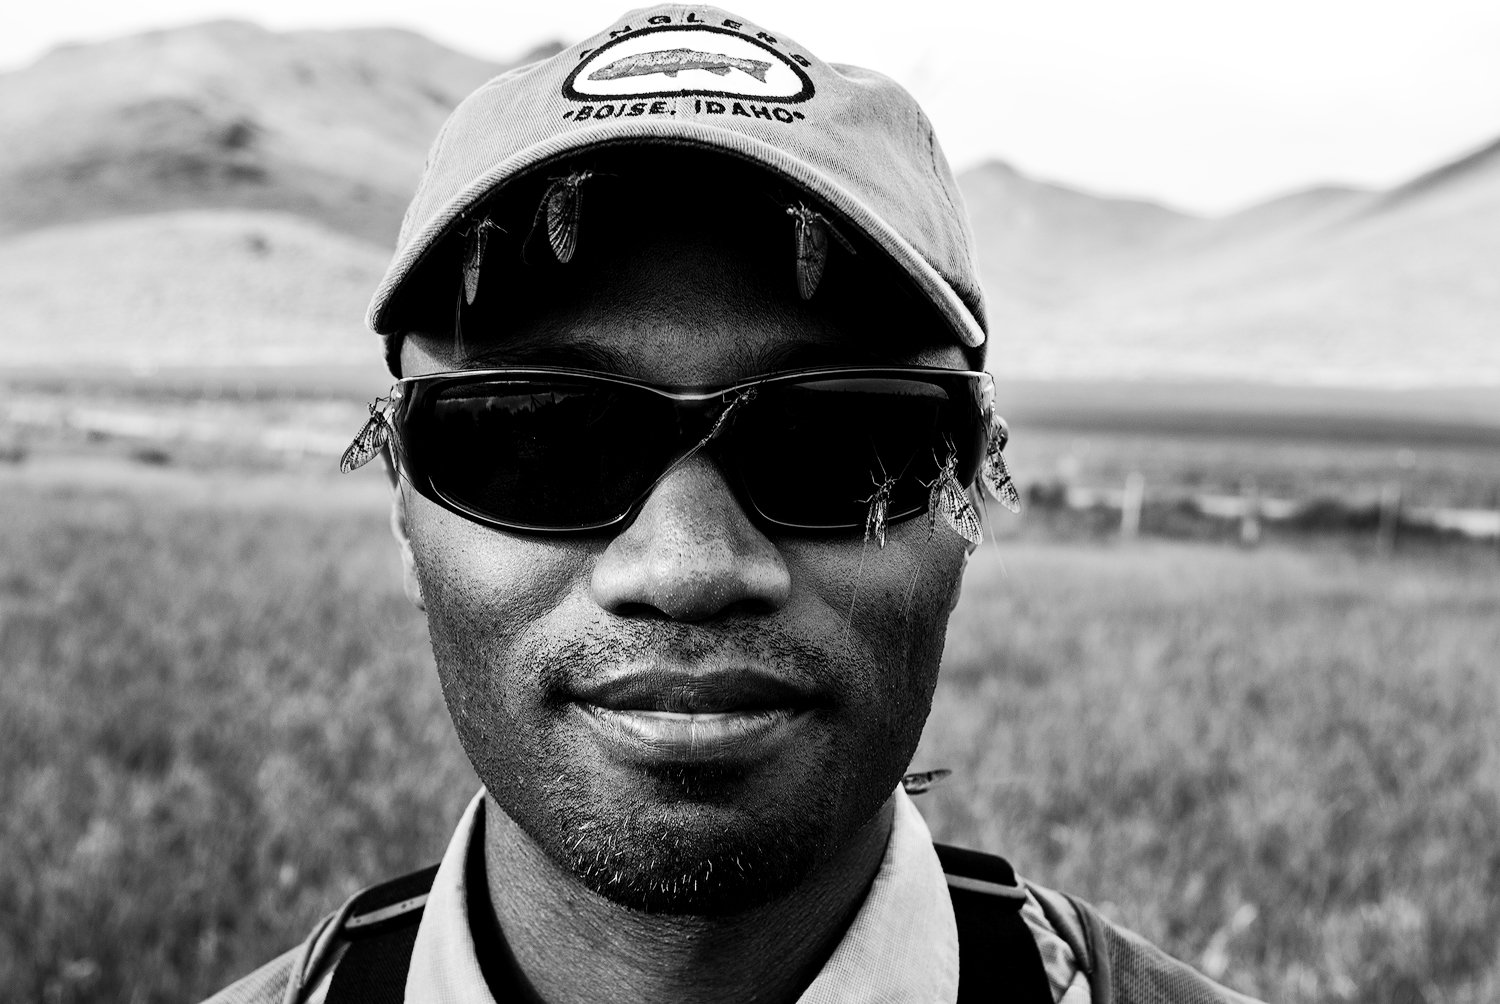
{"x":819,"y":449}
{"x":559,"y":454}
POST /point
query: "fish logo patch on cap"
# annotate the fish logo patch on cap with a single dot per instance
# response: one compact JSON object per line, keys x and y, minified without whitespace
{"x":670,"y":61}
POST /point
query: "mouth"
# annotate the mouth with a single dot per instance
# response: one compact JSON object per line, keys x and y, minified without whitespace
{"x":661,"y":717}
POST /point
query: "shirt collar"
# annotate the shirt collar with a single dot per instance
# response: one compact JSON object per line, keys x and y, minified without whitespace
{"x":902,"y":945}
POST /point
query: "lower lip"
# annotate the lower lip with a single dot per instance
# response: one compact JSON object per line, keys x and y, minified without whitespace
{"x":670,"y":736}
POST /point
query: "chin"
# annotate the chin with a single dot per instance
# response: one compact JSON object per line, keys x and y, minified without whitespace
{"x":692,"y":840}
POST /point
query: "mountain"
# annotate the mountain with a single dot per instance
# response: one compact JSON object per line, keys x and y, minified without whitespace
{"x":1042,"y":244}
{"x":331,"y":125}
{"x":217,"y":195}
{"x":199,"y":288}
{"x":1329,"y":285}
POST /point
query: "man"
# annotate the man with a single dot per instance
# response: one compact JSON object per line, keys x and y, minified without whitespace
{"x":685,"y":453}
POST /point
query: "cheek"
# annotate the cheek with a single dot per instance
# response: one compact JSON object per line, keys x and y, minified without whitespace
{"x":887,"y":607}
{"x":487,"y":593}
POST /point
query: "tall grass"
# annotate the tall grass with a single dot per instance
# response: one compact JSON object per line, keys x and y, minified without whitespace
{"x":1284,"y":766}
{"x":218,"y":718}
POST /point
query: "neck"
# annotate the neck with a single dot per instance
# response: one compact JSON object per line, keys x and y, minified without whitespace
{"x":568,"y":941}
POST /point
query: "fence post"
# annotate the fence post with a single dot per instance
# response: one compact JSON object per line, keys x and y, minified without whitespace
{"x":1130,"y":506}
{"x":1495,"y":498}
{"x":1250,"y":517}
{"x":1389,"y":526}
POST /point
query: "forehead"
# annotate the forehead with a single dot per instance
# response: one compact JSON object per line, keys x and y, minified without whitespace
{"x":684,"y":274}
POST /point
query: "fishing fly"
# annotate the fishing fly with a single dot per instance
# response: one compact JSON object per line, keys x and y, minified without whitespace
{"x":371,"y":438}
{"x":810,"y":232}
{"x":879,"y":504}
{"x":948,"y":498}
{"x":994,"y":474}
{"x":558,"y":216}
{"x":475,"y":240}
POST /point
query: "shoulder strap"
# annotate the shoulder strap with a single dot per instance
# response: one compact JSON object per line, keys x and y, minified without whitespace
{"x":381,"y":928}
{"x":997,"y":956}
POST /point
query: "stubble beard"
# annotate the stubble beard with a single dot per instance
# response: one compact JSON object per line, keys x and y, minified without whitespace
{"x":697,"y":839}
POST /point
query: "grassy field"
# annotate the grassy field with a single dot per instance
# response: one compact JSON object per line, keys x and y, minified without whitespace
{"x":218,"y":717}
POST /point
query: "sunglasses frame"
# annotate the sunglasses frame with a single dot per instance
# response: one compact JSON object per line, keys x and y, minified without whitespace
{"x":410,"y":392}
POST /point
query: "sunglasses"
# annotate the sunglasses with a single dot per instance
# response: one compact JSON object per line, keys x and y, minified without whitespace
{"x":567,"y":451}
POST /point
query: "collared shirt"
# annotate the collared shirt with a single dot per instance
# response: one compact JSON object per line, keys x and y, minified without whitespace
{"x":901,"y":947}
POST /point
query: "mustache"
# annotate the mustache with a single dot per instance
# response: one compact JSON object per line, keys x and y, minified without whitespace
{"x":565,"y":664}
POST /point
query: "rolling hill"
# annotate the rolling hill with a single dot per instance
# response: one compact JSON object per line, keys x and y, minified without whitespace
{"x":1327,"y":286}
{"x":330,"y":125}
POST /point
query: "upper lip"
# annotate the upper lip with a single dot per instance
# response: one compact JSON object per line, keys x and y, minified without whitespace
{"x":740,"y":688}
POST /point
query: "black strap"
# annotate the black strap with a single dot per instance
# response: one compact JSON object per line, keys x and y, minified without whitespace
{"x":997,"y":955}
{"x":381,"y":928}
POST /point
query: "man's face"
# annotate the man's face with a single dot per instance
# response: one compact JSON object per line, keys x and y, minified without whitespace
{"x":695,"y":711}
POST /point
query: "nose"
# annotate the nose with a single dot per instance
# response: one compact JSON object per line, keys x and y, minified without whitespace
{"x":691,"y":554}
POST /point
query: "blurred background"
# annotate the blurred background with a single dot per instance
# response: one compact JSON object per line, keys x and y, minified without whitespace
{"x":1234,"y":674}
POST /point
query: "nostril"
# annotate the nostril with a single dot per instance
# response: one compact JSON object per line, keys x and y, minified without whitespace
{"x":641,"y":611}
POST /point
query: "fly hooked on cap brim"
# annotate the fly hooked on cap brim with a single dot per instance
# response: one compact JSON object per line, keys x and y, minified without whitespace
{"x":558,"y":216}
{"x":475,"y":239}
{"x":810,"y":232}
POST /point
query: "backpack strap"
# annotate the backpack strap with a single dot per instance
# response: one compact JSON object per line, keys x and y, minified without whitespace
{"x":381,"y":930}
{"x":997,"y":956}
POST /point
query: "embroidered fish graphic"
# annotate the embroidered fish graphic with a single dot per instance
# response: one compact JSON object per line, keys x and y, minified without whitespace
{"x":673,"y":61}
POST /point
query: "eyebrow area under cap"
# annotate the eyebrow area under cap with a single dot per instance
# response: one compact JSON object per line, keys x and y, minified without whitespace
{"x":746,"y":361}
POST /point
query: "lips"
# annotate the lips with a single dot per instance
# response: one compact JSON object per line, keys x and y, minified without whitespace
{"x":729,"y":690}
{"x":663,"y":716}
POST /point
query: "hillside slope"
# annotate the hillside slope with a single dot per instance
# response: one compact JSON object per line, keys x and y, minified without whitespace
{"x":198,"y":288}
{"x":1329,"y":285}
{"x":330,"y":125}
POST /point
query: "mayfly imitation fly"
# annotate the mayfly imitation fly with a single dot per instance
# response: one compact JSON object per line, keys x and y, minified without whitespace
{"x":559,"y":215}
{"x":916,"y":783}
{"x":994,"y":473}
{"x":879,"y":504}
{"x":810,"y":232}
{"x":375,"y":434}
{"x":946,"y":497}
{"x":475,"y":240}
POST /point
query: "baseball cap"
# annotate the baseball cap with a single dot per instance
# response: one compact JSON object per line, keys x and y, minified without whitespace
{"x":850,"y":138}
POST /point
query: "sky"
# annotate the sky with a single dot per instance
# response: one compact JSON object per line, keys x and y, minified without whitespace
{"x":1206,"y":105}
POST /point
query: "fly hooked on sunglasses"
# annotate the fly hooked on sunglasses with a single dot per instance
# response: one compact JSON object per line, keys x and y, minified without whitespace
{"x":946,"y":496}
{"x":371,"y":438}
{"x":879,"y":504}
{"x":994,"y":473}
